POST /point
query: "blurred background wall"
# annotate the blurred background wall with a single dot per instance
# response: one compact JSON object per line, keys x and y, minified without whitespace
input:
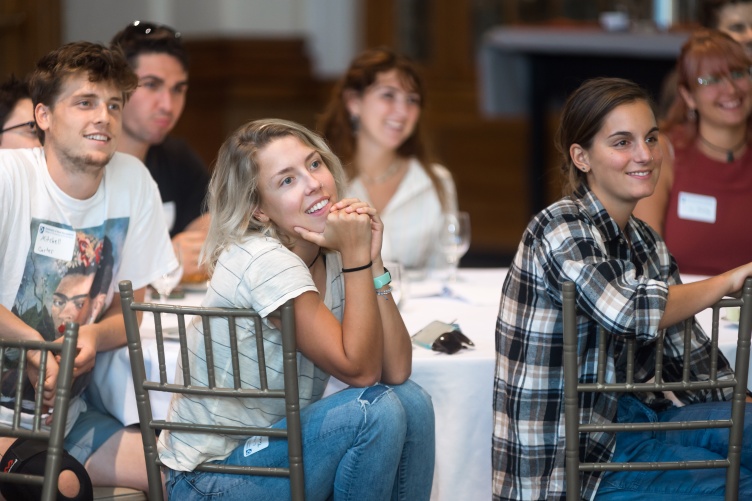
{"x":260,"y":58}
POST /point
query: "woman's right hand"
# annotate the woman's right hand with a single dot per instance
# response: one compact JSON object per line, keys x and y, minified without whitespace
{"x":736,"y":278}
{"x":377,"y":226}
{"x":348,"y":232}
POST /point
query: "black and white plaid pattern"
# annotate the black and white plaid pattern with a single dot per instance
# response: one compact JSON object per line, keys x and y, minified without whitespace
{"x":622,"y":285}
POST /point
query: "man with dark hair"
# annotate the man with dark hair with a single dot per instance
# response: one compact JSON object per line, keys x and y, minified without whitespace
{"x":17,"y":126}
{"x":75,"y":214}
{"x":733,"y":17}
{"x":159,"y":59}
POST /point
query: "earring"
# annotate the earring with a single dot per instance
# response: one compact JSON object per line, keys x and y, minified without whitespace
{"x":585,"y":170}
{"x":354,"y":123}
{"x":691,"y":114}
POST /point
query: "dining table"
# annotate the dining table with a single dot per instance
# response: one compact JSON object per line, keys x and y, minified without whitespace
{"x":460,"y":385}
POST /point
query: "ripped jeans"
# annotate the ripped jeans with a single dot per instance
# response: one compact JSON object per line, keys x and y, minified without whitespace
{"x":359,"y":444}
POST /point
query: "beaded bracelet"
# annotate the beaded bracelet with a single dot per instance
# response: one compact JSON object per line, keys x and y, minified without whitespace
{"x":385,"y":292}
{"x":364,"y":267}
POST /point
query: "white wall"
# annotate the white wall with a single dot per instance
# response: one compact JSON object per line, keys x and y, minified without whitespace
{"x":329,"y":26}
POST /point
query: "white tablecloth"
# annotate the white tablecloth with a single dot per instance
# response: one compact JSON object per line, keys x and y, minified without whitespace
{"x":460,"y":385}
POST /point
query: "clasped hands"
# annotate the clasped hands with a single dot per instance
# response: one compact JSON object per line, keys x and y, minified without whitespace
{"x":83,"y":363}
{"x":350,"y":224}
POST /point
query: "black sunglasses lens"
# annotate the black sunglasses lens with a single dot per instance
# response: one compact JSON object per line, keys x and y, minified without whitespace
{"x":144,"y":29}
{"x":447,"y":343}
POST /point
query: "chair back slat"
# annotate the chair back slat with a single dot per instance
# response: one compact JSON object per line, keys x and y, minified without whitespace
{"x":574,"y":428}
{"x":263,"y":383}
{"x":193,"y":386}
{"x":209,"y":352}
{"x":234,"y":353}
{"x":55,"y":434}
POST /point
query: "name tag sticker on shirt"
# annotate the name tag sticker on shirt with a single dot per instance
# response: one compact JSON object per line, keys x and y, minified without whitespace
{"x":54,"y":242}
{"x":697,"y":207}
{"x":255,"y":444}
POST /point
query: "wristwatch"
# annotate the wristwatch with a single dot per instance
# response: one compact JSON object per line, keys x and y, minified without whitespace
{"x":382,"y":280}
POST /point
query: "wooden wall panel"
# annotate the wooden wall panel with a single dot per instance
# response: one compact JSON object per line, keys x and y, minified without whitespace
{"x":28,"y":30}
{"x":232,"y":81}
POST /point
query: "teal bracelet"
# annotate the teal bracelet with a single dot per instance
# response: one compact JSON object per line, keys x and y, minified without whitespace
{"x":382,"y":280}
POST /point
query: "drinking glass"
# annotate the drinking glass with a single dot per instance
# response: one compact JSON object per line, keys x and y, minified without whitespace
{"x":165,"y":284}
{"x":454,"y":239}
{"x":399,"y":285}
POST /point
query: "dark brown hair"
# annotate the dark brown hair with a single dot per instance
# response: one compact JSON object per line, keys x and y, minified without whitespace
{"x":100,"y":63}
{"x":709,"y":10}
{"x":144,"y":37}
{"x":11,"y":92}
{"x":336,"y":125}
{"x":583,"y":115}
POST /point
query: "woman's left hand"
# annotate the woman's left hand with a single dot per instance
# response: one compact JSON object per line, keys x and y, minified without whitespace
{"x":377,"y":226}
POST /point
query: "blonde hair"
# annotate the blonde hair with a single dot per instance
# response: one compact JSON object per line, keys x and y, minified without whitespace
{"x":234,"y":194}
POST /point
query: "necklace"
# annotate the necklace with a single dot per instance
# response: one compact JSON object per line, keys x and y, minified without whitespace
{"x":392,"y":170}
{"x":315,"y":259}
{"x":729,"y":152}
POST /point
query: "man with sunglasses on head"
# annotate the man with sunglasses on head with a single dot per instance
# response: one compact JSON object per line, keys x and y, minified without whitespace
{"x":159,"y":59}
{"x":17,"y":126}
{"x":76,"y":217}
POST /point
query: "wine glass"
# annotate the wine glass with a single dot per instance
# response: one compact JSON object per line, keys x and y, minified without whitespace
{"x":399,"y":282}
{"x":454,"y":239}
{"x":166,"y":283}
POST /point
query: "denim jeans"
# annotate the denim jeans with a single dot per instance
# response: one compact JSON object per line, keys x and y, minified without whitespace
{"x":374,"y":443}
{"x":684,"y":445}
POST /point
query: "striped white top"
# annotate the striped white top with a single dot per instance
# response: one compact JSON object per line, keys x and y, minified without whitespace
{"x":261,"y":274}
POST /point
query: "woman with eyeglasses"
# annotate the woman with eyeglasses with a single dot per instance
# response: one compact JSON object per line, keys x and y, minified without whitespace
{"x":703,"y":199}
{"x":372,"y":123}
{"x":17,"y":126}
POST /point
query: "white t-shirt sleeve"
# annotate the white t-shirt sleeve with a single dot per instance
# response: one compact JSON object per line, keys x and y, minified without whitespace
{"x":274,"y":276}
{"x":147,"y":252}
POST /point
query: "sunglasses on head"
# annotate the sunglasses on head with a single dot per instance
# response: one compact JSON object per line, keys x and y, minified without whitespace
{"x":147,"y":29}
{"x":451,"y":342}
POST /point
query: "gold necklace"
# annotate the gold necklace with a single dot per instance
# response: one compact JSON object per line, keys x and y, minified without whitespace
{"x":384,"y":176}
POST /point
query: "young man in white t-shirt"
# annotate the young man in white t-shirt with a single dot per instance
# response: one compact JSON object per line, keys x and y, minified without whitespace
{"x":75,"y":218}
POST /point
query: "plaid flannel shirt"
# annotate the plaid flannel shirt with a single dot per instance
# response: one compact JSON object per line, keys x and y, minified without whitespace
{"x":622,"y":284}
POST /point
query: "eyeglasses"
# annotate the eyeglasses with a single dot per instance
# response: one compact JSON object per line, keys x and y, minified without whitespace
{"x":451,"y":342}
{"x":733,"y":76}
{"x":146,"y":29}
{"x":30,"y":127}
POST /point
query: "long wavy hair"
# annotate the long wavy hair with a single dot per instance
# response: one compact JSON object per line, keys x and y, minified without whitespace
{"x":234,"y":194}
{"x":583,"y":115}
{"x":336,"y":124}
{"x":706,"y":52}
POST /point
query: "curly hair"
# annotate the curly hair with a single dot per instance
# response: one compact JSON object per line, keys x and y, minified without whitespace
{"x":100,"y":63}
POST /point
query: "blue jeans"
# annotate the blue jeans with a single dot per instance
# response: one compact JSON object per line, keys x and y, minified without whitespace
{"x":685,"y":445}
{"x":374,"y":443}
